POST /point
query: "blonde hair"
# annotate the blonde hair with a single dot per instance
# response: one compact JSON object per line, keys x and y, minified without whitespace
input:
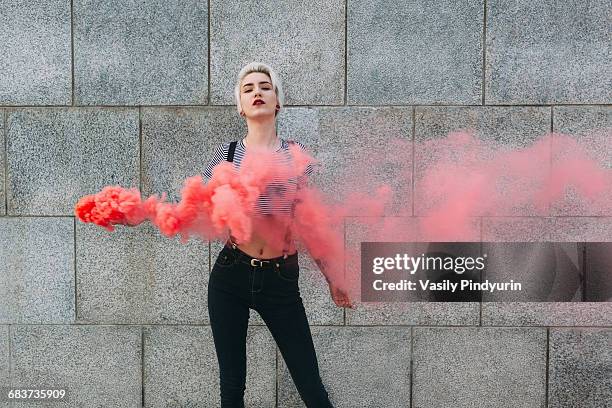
{"x":263,"y":68}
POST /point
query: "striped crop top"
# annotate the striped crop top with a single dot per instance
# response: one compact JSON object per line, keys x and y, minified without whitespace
{"x":282,"y":190}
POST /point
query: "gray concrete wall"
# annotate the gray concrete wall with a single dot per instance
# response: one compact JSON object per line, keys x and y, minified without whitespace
{"x":137,"y":93}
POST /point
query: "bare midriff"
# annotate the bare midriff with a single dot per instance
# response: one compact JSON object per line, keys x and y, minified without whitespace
{"x":257,"y":247}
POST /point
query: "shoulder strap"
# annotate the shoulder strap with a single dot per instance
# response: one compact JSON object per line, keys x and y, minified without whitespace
{"x":230,"y":151}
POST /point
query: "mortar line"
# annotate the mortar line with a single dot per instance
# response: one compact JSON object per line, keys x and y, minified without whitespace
{"x":72,"y":49}
{"x":347,"y":327}
{"x":74,"y":255}
{"x":5,"y":158}
{"x":413,"y":157}
{"x":482,"y":271}
{"x":411,"y":364}
{"x":10,"y":354}
{"x":550,"y":153}
{"x":228,"y":106}
{"x":38,"y":216}
{"x":142,"y":367}
{"x":547,"y":363}
{"x":484,"y":52}
{"x":584,"y":271}
{"x":208,"y":98}
{"x":488,"y":216}
{"x":345,"y":52}
{"x":276,"y":372}
{"x":344,"y":264}
{"x":140,"y":148}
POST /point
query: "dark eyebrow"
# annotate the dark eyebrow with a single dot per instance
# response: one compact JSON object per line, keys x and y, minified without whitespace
{"x":262,"y":82}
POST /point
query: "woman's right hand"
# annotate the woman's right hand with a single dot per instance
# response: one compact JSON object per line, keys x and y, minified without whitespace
{"x":339,"y":296}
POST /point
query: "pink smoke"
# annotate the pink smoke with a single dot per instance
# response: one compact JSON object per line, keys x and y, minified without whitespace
{"x":463,"y":178}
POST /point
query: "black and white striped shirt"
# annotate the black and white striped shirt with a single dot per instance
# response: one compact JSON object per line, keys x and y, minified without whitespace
{"x":279,"y":197}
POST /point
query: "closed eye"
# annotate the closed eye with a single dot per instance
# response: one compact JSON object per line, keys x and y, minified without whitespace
{"x":249,"y":90}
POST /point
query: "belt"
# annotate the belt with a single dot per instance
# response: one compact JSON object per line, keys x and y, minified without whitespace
{"x":248,"y":259}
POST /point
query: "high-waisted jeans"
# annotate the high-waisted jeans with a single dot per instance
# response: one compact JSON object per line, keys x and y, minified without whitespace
{"x":239,"y":283}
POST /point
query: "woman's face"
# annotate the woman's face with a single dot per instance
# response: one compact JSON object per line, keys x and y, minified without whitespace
{"x":257,"y":85}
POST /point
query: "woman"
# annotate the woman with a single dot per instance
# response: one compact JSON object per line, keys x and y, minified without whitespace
{"x":255,"y":274}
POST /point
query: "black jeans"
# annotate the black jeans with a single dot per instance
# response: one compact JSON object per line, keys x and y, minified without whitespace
{"x":238,"y":284}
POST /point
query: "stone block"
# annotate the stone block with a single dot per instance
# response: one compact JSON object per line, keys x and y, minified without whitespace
{"x":359,"y":367}
{"x":304,"y":44}
{"x":414,"y":53}
{"x":501,"y":129}
{"x":57,"y":155}
{"x":181,"y":367}
{"x":548,"y":52}
{"x":179,"y":142}
{"x":134,"y":53}
{"x":484,"y":367}
{"x":136,"y":275}
{"x":535,"y":229}
{"x":98,"y":365}
{"x":411,"y":310}
{"x":580,"y":363}
{"x":36,"y":54}
{"x":360,"y":150}
{"x":37,"y":278}
{"x":591,"y":128}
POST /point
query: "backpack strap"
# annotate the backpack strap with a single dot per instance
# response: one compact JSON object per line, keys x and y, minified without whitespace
{"x":230,"y":151}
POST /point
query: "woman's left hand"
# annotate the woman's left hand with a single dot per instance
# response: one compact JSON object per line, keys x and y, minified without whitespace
{"x":340,"y":297}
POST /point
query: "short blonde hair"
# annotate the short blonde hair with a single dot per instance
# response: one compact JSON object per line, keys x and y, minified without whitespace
{"x":266,"y":69}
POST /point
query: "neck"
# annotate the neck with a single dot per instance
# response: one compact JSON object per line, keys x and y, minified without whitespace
{"x":261,"y":134}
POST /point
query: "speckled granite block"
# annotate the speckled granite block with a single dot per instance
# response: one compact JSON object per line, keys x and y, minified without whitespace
{"x":179,"y":142}
{"x":320,"y":307}
{"x":99,"y":365}
{"x":181,"y":367}
{"x":548,"y":52}
{"x":359,"y":367}
{"x":353,"y":147}
{"x":134,"y":53}
{"x":37,"y":273}
{"x":302,"y":124}
{"x":591,"y":128}
{"x":562,"y":229}
{"x":56,"y":156}
{"x":507,"y":128}
{"x":484,"y":367}
{"x":414,"y":53}
{"x":580,"y":368}
{"x":304,"y":44}
{"x":36,"y":55}
{"x":138,"y":275}
{"x":410,"y":311}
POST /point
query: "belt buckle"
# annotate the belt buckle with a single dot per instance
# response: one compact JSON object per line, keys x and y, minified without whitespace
{"x":255,"y":260}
